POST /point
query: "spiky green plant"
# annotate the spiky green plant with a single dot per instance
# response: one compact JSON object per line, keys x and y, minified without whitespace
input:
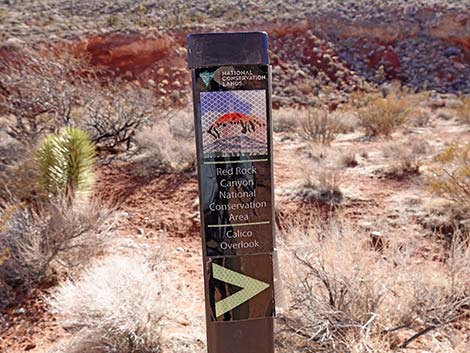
{"x":65,"y":164}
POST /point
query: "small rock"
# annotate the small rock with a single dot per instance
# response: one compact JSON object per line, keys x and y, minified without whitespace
{"x":20,"y":311}
{"x":454,"y":103}
{"x":444,"y":115}
{"x":13,"y":44}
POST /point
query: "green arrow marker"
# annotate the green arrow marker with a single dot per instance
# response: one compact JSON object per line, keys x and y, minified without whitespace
{"x":250,"y":288}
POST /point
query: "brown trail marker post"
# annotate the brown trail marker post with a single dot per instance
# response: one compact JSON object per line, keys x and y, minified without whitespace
{"x":231,"y":79}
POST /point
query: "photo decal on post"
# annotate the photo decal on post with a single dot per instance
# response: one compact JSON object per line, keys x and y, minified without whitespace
{"x":234,"y":123}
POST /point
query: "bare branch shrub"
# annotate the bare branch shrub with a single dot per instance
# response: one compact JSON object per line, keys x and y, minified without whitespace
{"x":318,"y":126}
{"x":114,"y":115}
{"x":346,"y":295}
{"x":118,"y":305}
{"x":381,"y":116}
{"x":56,"y":234}
{"x":167,"y":146}
{"x":38,"y":91}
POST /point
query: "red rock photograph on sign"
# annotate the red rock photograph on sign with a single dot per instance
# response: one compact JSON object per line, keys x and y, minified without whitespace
{"x":234,"y":123}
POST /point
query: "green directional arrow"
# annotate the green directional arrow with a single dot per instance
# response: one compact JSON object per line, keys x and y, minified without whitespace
{"x":250,"y":288}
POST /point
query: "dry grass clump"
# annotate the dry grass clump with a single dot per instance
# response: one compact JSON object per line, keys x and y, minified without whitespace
{"x":322,"y":179}
{"x":347,"y":159}
{"x":406,"y":157}
{"x":35,"y":241}
{"x":166,"y":147}
{"x":287,"y":119}
{"x":347,"y":296}
{"x":319,"y":126}
{"x":118,"y":305}
{"x":463,"y":112}
{"x":422,"y":118}
{"x":382,"y":116}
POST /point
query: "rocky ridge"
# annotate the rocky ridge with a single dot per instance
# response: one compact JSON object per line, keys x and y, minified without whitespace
{"x":321,"y":50}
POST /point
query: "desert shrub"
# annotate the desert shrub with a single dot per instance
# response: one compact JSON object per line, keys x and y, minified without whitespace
{"x":112,"y":116}
{"x":463,"y":112}
{"x":166,"y":147}
{"x":347,"y":159}
{"x":18,"y":177}
{"x":118,"y":305}
{"x":381,"y":116}
{"x":287,"y":119}
{"x":318,"y":126}
{"x":181,"y":124}
{"x":326,"y":181}
{"x":346,"y":294}
{"x":422,"y":119}
{"x":65,"y":164}
{"x":37,"y":241}
{"x":39,"y":90}
{"x":405,"y":157}
{"x":451,"y":175}
{"x":450,"y":179}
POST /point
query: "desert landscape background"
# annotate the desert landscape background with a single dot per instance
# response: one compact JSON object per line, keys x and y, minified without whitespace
{"x":99,"y":223}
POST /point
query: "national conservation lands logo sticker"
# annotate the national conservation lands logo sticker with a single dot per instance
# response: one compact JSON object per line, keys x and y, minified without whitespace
{"x":206,"y":77}
{"x":234,"y":123}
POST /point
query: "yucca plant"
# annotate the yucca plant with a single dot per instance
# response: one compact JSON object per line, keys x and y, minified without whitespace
{"x":65,"y":164}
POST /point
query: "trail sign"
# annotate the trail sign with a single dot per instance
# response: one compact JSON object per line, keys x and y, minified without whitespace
{"x":232,"y":108}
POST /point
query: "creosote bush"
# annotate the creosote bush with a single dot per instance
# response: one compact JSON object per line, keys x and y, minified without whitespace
{"x":381,"y":116}
{"x":346,"y":294}
{"x":118,"y":305}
